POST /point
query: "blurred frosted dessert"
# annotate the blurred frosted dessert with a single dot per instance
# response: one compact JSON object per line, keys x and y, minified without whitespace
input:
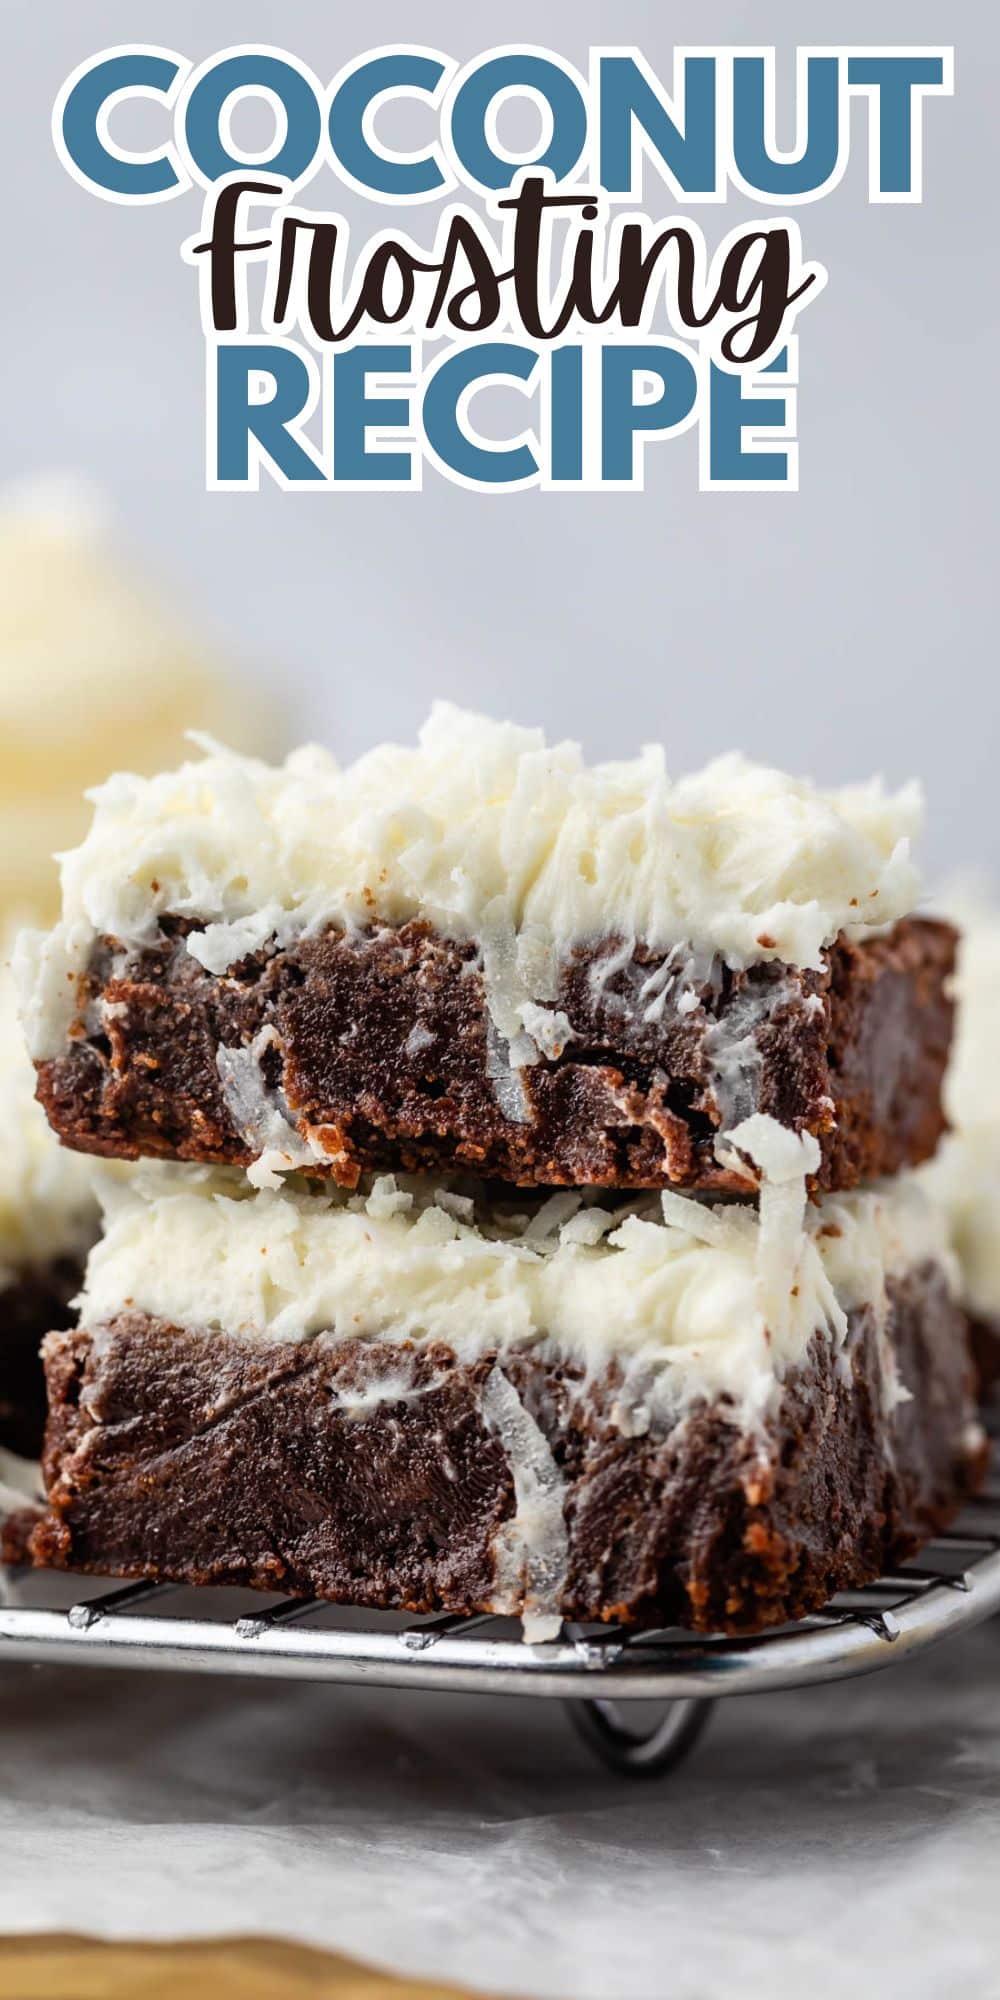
{"x":96,"y":672}
{"x":965,"y":1176}
{"x":48,"y":1220}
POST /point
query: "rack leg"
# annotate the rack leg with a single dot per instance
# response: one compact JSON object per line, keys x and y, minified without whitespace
{"x":631,"y":1753}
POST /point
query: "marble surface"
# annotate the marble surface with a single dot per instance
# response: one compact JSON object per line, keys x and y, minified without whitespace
{"x":833,"y":1840}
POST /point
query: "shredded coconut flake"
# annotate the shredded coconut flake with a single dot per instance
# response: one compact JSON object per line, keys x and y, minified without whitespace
{"x":532,"y":1549}
{"x":258,"y":1116}
{"x":783,"y":1159}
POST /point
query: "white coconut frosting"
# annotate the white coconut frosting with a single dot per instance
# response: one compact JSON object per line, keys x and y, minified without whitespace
{"x":492,"y":835}
{"x":965,"y":1175}
{"x":682,"y":1294}
{"x":47,"y":1208}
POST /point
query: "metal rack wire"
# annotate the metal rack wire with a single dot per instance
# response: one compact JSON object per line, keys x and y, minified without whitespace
{"x":597,"y":1673}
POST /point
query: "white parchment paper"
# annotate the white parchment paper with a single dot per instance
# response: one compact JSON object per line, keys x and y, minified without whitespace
{"x":840,"y":1841}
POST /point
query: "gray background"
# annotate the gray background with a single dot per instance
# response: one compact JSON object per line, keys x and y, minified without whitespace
{"x":845,"y":628}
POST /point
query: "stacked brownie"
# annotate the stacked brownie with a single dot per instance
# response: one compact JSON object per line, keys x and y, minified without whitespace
{"x":550,"y":1243}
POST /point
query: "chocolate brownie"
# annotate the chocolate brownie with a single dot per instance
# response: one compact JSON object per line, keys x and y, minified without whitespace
{"x":376,"y":1049}
{"x":376,"y":1474}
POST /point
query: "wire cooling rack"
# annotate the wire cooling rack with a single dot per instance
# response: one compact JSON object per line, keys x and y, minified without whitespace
{"x":597,"y":1672}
